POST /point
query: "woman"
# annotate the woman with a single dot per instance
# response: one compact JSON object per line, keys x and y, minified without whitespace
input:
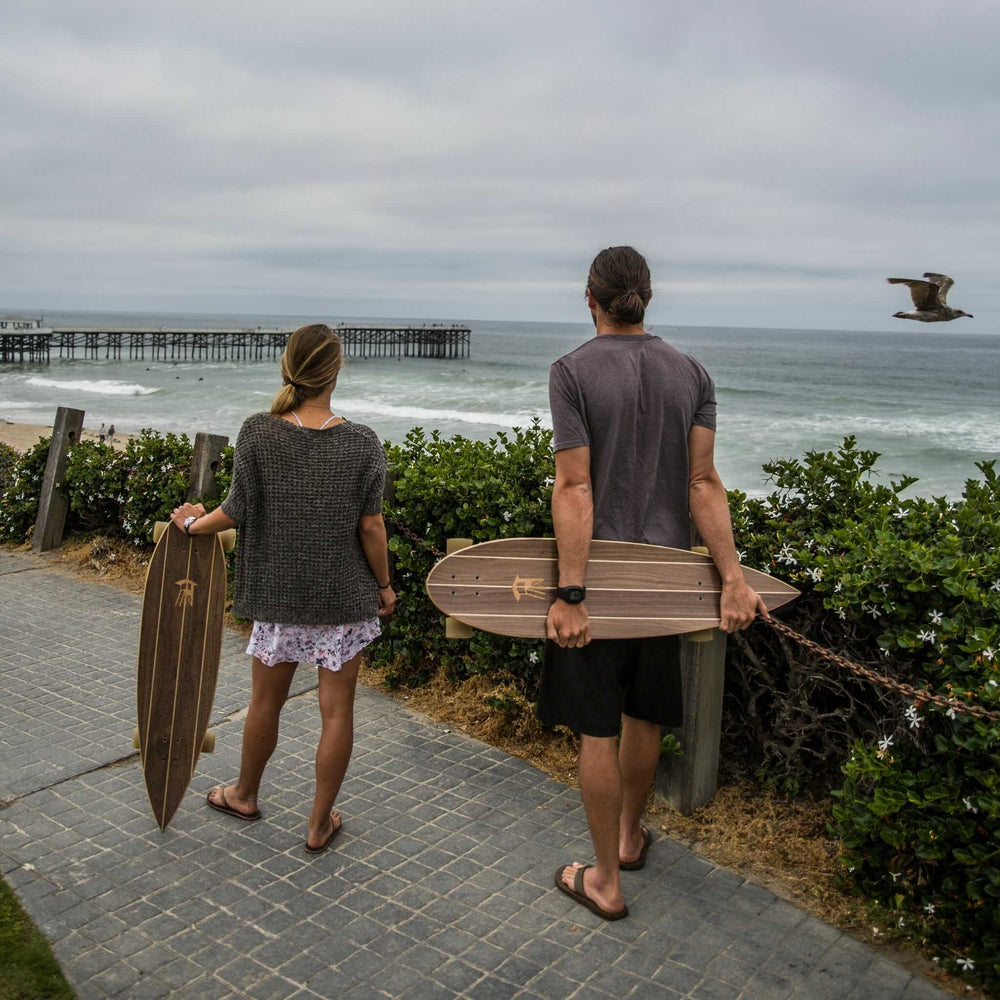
{"x":312,"y":570}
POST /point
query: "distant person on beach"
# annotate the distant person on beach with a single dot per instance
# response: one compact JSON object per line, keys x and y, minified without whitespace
{"x":312,"y":568}
{"x":102,"y":434}
{"x":633,"y":433}
{"x":111,"y":434}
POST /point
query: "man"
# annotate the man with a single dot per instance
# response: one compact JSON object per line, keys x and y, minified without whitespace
{"x":634,"y":433}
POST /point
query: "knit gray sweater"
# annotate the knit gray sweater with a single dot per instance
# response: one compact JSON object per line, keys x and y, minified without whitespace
{"x":297,"y":495}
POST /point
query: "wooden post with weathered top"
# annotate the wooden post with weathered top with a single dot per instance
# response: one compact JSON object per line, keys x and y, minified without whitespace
{"x":53,"y":502}
{"x":205,"y":464}
{"x":689,"y":781}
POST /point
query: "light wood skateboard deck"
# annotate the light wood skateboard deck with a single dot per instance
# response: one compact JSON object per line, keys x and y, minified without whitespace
{"x":633,"y":590}
{"x":180,"y":641}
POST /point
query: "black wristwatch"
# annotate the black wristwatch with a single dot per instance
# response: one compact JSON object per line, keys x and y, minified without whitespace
{"x":571,"y":595}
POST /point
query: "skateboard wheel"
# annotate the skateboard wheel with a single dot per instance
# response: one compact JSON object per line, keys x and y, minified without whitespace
{"x":454,"y":629}
{"x":456,"y":544}
{"x":158,"y":528}
{"x":135,"y":737}
{"x":208,"y":743}
{"x":228,"y":539}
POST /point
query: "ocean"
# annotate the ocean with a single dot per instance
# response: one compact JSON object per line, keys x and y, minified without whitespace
{"x":926,"y":398}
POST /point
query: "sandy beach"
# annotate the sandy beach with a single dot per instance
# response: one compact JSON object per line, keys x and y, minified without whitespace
{"x":23,"y":436}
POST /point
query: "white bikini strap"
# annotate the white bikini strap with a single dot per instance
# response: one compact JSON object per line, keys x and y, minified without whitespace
{"x":294,"y":414}
{"x":325,"y":422}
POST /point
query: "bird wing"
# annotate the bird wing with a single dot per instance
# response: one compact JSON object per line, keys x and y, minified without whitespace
{"x":943,"y":283}
{"x":923,"y":293}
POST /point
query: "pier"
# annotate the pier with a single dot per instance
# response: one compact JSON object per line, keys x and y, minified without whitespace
{"x":41,"y":345}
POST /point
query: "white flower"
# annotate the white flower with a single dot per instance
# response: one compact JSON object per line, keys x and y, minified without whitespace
{"x":506,"y":515}
{"x":967,"y":802}
{"x":532,"y":657}
{"x":929,"y":908}
{"x":896,"y":875}
{"x":785,"y":556}
{"x":989,"y":652}
{"x":995,"y":586}
{"x":815,"y":574}
{"x":927,"y":636}
{"x":884,"y":744}
{"x":936,"y":617}
{"x":966,"y":964}
{"x":841,"y":613}
{"x":901,"y":922}
{"x":876,"y":931}
{"x":913,"y":717}
{"x":950,"y":713}
{"x":992,"y":683}
{"x":825,"y":549}
{"x":741,"y":556}
{"x":838,"y":588}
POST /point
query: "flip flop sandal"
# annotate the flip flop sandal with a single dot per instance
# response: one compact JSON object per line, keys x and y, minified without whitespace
{"x":579,"y":896}
{"x":224,"y":807}
{"x":326,"y":843}
{"x":639,"y":862}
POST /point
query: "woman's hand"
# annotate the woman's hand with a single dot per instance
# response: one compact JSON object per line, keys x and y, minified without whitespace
{"x":386,"y":601}
{"x":186,"y":510}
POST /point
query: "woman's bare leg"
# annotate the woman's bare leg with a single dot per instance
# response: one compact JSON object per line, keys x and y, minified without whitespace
{"x":260,"y":732}
{"x":336,"y":742}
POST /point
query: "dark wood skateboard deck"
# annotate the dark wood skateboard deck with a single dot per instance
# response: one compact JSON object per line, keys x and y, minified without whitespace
{"x":633,"y":590}
{"x":180,"y":641}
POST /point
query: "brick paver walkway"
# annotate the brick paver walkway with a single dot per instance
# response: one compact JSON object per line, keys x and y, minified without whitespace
{"x":440,"y":884}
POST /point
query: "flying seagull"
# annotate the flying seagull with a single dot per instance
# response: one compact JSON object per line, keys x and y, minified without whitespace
{"x":930,"y":298}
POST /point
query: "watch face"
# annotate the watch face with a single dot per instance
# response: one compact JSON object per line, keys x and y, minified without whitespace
{"x":571,"y":595}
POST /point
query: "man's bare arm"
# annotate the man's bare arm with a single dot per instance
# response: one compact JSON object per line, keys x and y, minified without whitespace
{"x":710,"y":512}
{"x":573,"y":522}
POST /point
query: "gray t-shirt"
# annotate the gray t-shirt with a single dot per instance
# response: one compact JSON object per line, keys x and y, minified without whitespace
{"x":297,"y":495}
{"x":632,"y":399}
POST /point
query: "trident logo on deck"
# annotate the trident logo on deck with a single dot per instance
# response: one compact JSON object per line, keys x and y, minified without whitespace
{"x":532,"y":587}
{"x":185,"y":596}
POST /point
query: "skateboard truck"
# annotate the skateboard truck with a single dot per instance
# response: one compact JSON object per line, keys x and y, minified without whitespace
{"x":453,"y":628}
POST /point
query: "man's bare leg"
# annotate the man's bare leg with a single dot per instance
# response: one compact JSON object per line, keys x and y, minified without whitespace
{"x":601,"y":788}
{"x":638,"y":753}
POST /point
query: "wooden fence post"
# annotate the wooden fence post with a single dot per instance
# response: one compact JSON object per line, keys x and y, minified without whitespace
{"x":205,"y":463}
{"x":53,"y":502}
{"x":689,"y":781}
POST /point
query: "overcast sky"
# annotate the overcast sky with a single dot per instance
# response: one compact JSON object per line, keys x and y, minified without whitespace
{"x":775,"y":161}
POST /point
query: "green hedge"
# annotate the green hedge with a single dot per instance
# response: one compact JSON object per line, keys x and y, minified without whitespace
{"x":908,"y":585}
{"x":118,"y":491}
{"x":459,"y":488}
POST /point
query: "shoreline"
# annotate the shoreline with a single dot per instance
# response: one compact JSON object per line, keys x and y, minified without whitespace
{"x":21,"y":437}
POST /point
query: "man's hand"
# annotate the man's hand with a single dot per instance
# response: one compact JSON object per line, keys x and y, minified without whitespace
{"x":740,"y":606}
{"x":568,"y":624}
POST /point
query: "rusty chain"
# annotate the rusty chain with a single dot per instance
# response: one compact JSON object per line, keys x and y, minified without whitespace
{"x":919,"y":696}
{"x":414,"y":537}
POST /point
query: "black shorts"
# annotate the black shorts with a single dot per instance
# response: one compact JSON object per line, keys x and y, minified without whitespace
{"x":589,"y":688}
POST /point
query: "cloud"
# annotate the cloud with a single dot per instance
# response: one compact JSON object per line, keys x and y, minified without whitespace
{"x":775,"y":162}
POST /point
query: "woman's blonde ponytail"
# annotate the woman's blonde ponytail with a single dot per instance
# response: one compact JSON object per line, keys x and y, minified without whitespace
{"x":310,"y":363}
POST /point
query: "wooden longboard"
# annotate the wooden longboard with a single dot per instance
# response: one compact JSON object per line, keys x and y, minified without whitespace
{"x":633,"y":590}
{"x":180,"y":641}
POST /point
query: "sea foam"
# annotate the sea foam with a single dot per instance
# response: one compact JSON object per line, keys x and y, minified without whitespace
{"x":372,"y":408}
{"x":101,"y":386}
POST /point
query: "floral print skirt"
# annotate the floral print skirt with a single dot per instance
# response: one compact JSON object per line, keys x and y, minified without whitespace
{"x":326,"y":646}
